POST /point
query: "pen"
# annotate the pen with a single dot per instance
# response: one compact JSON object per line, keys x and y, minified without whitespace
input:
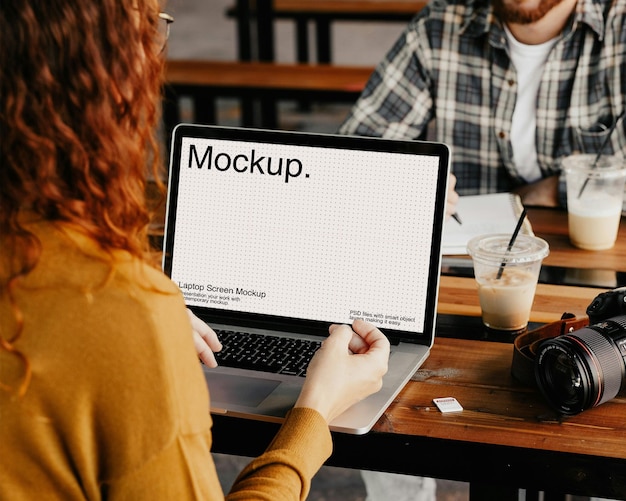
{"x":457,"y":218}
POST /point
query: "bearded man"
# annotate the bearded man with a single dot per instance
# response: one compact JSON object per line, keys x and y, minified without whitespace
{"x":513,"y":86}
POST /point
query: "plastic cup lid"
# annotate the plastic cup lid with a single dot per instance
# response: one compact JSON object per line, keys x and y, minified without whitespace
{"x":494,"y":248}
{"x":608,"y":166}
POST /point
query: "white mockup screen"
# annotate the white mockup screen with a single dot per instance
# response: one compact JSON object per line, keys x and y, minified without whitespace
{"x":305,"y":232}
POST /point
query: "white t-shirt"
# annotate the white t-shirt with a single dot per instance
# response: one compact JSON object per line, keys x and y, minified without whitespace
{"x":529,"y":61}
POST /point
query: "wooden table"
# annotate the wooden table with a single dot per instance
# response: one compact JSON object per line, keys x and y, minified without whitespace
{"x":204,"y":82}
{"x":565,"y":265}
{"x":506,"y":438}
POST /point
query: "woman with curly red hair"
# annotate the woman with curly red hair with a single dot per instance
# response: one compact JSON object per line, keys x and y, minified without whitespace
{"x":101,"y":393}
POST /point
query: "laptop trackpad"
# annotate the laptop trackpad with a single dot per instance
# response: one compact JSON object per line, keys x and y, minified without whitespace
{"x":239,"y":390}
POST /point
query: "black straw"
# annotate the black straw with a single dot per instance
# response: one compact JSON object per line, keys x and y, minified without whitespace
{"x":604,"y":143}
{"x":518,"y":227}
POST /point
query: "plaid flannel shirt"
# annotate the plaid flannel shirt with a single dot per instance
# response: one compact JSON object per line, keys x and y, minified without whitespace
{"x":452,"y":65}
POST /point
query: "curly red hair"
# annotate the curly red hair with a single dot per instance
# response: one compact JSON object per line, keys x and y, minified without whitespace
{"x":80,"y":88}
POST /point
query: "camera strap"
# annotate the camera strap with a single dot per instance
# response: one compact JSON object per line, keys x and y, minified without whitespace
{"x":525,"y":345}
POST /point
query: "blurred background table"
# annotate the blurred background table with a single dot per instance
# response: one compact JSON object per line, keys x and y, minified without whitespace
{"x":255,"y":22}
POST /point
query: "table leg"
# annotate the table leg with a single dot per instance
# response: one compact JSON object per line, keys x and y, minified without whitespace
{"x":170,"y":113}
{"x":302,"y":40}
{"x":487,"y":492}
{"x":205,"y":109}
{"x":244,"y":38}
{"x":245,"y":23}
{"x":265,"y":30}
{"x":324,"y":41}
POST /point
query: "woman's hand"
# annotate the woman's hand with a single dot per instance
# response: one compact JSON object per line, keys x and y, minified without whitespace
{"x":348,"y":367}
{"x":205,"y":340}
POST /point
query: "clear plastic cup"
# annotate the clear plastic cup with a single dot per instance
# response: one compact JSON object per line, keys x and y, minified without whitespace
{"x":507,"y":279}
{"x":594,"y":199}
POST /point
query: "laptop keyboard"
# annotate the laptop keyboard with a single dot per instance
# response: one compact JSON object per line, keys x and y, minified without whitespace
{"x":266,"y":353}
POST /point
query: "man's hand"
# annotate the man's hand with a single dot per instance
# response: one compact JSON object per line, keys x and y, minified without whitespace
{"x":544,"y":193}
{"x":453,"y":197}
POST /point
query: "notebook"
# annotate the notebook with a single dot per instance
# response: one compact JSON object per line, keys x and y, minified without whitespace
{"x":284,"y":233}
{"x":480,"y":215}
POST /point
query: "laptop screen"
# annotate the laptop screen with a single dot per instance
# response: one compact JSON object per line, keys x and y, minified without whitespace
{"x":305,"y":228}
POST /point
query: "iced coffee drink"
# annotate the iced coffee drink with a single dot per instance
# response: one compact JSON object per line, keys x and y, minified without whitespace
{"x":506,"y":301}
{"x":595,"y":193}
{"x":595,"y":227}
{"x":507,"y":278}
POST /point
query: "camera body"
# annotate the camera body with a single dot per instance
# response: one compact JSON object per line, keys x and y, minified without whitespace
{"x":586,"y":367}
{"x":606,"y":305}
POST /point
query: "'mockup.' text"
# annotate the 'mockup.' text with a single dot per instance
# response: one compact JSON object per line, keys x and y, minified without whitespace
{"x":287,"y":168}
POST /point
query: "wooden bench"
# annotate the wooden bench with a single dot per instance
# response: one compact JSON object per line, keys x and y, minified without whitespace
{"x":205,"y":81}
{"x":259,"y":15}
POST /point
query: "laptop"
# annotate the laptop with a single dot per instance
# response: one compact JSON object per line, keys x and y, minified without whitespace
{"x":283,"y":233}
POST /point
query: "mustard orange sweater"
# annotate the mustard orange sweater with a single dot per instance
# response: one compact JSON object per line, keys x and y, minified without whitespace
{"x":117,"y":407}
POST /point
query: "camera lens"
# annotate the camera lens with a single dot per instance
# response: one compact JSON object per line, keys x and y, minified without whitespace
{"x":585,"y":368}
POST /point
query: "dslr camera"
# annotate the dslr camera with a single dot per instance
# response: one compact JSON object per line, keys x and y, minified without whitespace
{"x":586,"y":367}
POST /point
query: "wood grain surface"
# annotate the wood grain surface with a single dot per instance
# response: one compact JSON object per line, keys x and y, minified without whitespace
{"x":497,"y":409}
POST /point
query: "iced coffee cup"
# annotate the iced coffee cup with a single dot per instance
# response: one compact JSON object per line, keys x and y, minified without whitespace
{"x":507,"y":278}
{"x":594,"y":199}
